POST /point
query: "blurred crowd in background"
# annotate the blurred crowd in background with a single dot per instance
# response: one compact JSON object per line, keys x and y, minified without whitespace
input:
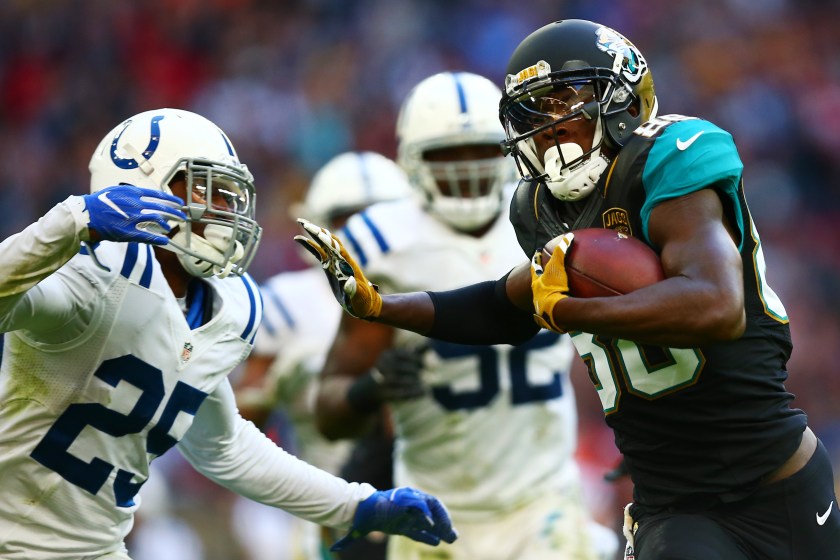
{"x":294,"y":83}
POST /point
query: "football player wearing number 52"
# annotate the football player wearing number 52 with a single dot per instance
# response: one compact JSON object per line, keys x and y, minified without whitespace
{"x":491,"y":430}
{"x":124,"y":312}
{"x":690,"y":370}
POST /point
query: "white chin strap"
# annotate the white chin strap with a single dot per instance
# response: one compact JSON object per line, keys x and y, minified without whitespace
{"x":575,"y":183}
{"x":211,"y":250}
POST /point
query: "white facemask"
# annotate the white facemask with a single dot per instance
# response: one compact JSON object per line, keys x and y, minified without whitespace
{"x":212,"y":246}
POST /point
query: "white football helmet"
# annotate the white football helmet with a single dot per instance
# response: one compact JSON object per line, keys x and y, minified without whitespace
{"x":151,"y":148}
{"x":450,"y":110}
{"x":350,"y":182}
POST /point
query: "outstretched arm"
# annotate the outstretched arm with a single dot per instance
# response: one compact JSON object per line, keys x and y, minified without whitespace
{"x":414,"y":311}
{"x":232,"y":452}
{"x":485,"y":313}
{"x":224,"y":447}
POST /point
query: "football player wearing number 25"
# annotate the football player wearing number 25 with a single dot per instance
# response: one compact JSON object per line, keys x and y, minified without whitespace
{"x":690,"y":370}
{"x":124,"y":311}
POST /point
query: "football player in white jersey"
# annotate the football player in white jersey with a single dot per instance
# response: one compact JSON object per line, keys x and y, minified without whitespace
{"x":290,"y":347}
{"x":124,"y":311}
{"x":495,"y":431}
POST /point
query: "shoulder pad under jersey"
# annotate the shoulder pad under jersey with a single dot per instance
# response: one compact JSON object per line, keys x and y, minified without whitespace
{"x":533,"y":217}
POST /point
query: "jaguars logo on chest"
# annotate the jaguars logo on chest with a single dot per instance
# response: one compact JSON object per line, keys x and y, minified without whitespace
{"x":617,"y":219}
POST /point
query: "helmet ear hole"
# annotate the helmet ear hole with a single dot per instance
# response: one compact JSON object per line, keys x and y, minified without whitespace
{"x":619,"y":128}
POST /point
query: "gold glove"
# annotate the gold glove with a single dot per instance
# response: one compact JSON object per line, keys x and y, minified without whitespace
{"x":353,"y":291}
{"x":549,"y":283}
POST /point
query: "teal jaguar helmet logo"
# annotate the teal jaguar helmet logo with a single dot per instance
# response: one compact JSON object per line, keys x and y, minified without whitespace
{"x":628,"y":61}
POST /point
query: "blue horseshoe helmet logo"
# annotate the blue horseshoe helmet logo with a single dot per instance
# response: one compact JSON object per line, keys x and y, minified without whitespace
{"x":154,"y":140}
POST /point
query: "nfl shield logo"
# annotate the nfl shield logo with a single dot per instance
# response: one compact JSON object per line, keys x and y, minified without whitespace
{"x":186,"y":352}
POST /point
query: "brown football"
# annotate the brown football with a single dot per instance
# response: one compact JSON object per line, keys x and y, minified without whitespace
{"x":603,"y":262}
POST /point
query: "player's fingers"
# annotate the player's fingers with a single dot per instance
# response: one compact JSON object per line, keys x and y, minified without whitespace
{"x":152,"y":239}
{"x":169,"y":212}
{"x":313,"y":230}
{"x":312,"y":247}
{"x":330,"y":241}
{"x":424,"y":537}
{"x":564,"y":243}
{"x":416,"y":505}
{"x":160,"y":197}
{"x":443,"y":523}
{"x":153,"y":232}
{"x":154,"y":223}
{"x":322,"y":236}
{"x":556,"y":265}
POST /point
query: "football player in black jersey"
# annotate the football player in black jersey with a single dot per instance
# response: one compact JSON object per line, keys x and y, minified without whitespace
{"x":690,"y":371}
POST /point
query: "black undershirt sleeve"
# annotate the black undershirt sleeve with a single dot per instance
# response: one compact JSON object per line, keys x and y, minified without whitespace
{"x":480,"y":314}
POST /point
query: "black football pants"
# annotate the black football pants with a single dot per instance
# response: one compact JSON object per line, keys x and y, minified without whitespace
{"x":794,"y":519}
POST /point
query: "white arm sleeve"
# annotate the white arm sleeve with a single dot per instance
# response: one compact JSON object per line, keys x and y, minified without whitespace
{"x":32,"y":255}
{"x":232,"y":452}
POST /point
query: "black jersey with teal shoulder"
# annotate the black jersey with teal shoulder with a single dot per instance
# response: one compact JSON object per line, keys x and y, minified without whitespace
{"x":697,"y":426}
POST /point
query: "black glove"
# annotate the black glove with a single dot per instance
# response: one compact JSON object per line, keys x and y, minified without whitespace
{"x":396,"y":377}
{"x":397,"y":372}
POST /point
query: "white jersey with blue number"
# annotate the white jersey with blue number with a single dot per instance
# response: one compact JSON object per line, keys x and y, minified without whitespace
{"x":101,"y":374}
{"x":497,"y":426}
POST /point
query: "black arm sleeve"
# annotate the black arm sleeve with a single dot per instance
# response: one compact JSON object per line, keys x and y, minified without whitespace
{"x":480,"y":314}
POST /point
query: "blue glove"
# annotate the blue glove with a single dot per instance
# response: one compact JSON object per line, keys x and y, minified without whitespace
{"x":129,"y":213}
{"x":401,"y":511}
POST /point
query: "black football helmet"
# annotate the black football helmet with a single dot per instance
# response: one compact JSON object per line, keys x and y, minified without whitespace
{"x":567,"y":70}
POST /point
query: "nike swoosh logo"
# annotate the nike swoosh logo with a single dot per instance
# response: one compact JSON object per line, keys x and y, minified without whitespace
{"x":821,"y":519}
{"x":104,"y":198}
{"x":684,"y":144}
